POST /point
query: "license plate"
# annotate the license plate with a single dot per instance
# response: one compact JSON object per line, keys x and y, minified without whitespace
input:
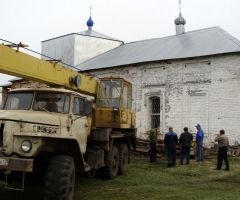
{"x":3,"y":162}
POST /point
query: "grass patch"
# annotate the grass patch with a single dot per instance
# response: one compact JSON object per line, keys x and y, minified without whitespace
{"x":145,"y":180}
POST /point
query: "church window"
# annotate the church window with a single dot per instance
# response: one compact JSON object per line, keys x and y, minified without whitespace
{"x":155,"y":111}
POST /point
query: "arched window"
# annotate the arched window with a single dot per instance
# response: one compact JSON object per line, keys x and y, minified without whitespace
{"x":155,"y":111}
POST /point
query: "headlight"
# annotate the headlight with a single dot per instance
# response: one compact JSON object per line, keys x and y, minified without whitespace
{"x":26,"y":146}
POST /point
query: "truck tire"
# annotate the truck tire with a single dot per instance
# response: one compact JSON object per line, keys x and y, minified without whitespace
{"x":111,"y":171}
{"x":60,"y":178}
{"x":123,"y":158}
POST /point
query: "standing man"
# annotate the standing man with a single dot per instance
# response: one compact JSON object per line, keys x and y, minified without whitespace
{"x":170,"y":141}
{"x":223,"y":143}
{"x":153,"y":143}
{"x":199,"y":143}
{"x":185,"y":142}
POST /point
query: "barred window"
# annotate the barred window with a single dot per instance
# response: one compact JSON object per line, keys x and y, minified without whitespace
{"x":155,"y":111}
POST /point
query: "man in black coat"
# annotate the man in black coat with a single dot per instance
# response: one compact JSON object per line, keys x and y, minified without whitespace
{"x":185,"y":142}
{"x":170,"y":141}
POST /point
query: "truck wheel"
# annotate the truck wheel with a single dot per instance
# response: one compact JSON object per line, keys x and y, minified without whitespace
{"x":111,"y":171}
{"x":60,"y":178}
{"x":123,"y":158}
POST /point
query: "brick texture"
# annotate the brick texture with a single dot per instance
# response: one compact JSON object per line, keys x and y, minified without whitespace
{"x":201,"y":90}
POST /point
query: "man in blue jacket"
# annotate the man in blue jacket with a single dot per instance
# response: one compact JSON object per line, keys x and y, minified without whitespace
{"x":170,"y":141}
{"x":199,"y":143}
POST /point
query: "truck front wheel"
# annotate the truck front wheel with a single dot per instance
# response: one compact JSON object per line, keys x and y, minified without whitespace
{"x":111,"y":171}
{"x":60,"y":178}
{"x":123,"y":158}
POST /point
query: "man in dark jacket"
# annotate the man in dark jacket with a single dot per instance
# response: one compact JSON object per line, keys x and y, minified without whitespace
{"x":185,"y":142}
{"x":153,"y":143}
{"x":170,"y":141}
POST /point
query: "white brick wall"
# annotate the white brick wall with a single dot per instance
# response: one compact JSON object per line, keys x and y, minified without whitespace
{"x":203,"y":90}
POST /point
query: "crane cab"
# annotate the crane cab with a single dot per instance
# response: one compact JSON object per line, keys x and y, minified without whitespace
{"x":114,"y":104}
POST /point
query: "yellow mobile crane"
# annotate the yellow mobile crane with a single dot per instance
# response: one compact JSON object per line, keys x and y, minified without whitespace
{"x":46,"y":134}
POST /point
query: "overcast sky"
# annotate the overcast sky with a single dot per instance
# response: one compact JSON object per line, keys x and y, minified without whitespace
{"x":33,"y":21}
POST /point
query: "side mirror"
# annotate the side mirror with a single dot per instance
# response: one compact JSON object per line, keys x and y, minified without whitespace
{"x":115,"y":109}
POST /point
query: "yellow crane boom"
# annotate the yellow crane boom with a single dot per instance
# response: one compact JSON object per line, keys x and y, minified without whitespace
{"x":15,"y":63}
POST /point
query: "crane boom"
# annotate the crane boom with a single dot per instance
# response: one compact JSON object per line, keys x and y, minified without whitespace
{"x":22,"y":65}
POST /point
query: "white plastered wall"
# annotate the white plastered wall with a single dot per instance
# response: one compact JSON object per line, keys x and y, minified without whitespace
{"x":201,"y":90}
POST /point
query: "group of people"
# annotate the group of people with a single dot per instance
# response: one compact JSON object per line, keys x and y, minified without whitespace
{"x":171,"y":140}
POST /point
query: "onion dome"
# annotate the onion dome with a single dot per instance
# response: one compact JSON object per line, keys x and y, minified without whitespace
{"x":90,"y":22}
{"x":180,"y":20}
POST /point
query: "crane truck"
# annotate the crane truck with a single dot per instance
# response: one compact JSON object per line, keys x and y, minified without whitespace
{"x":49,"y":133}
